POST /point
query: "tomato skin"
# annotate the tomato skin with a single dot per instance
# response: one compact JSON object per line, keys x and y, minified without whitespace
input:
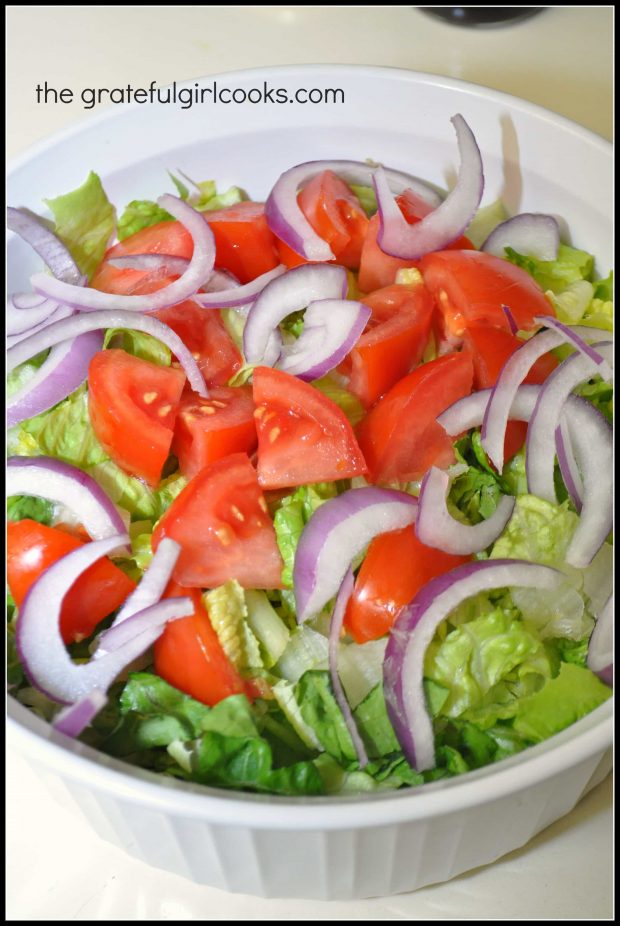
{"x":378,"y":269}
{"x":221,"y":521}
{"x":209,"y":429}
{"x":470,"y":287}
{"x":245,"y":245}
{"x":399,"y":437}
{"x":189,"y":655}
{"x":393,"y":342}
{"x":169,"y":237}
{"x":303,"y":436}
{"x":395,"y":568}
{"x":132,"y":406}
{"x":203,"y":332}
{"x":103,"y":587}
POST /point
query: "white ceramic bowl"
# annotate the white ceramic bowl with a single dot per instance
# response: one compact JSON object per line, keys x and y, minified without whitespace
{"x":349,"y":847}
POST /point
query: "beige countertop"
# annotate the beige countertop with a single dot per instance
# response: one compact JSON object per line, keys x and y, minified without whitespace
{"x":562,"y":59}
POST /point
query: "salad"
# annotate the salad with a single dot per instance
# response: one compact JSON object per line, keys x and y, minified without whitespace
{"x":310,"y":496}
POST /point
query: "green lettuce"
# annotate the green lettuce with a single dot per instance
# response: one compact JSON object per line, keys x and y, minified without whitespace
{"x":475,"y":493}
{"x":65,"y":432}
{"x":85,"y":222}
{"x":18,"y":377}
{"x":228,"y":614}
{"x":141,"y":345}
{"x":486,"y":219}
{"x":20,"y":507}
{"x":139,"y":214}
{"x":345,"y":400}
{"x":570,"y":266}
{"x":367,"y":198}
{"x":291,"y":517}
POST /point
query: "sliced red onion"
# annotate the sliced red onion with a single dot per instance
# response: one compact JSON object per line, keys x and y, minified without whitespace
{"x":94,"y":321}
{"x":75,"y":718}
{"x":436,"y":527}
{"x":66,"y":485}
{"x":571,"y":336}
{"x":167,"y":264}
{"x":41,"y":650}
{"x":332,"y":327}
{"x":56,"y":312}
{"x":25,"y":310}
{"x":512,"y":322}
{"x":47,"y":245}
{"x":591,"y":437}
{"x":468,"y":412}
{"x":221,"y":280}
{"x":196,"y":275}
{"x":510,"y":378}
{"x":336,"y":533}
{"x":531,"y":233}
{"x":415,"y":627}
{"x":64,"y":369}
{"x":287,"y":221}
{"x":600,"y":657}
{"x":568,"y":465}
{"x":444,"y":224}
{"x":545,"y":419}
{"x":238,"y":295}
{"x":335,"y":629}
{"x":291,"y":292}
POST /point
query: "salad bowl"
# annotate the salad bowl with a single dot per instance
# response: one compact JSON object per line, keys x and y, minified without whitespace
{"x":349,"y":846}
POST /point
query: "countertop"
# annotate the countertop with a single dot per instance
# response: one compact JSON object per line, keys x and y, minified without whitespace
{"x":562,"y":58}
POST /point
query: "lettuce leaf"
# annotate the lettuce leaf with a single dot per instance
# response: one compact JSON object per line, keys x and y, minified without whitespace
{"x":345,"y":400}
{"x":85,"y":222}
{"x":141,"y":345}
{"x":19,"y":507}
{"x":228,"y":614}
{"x":65,"y":432}
{"x":570,"y":266}
{"x":367,"y":198}
{"x":291,"y":517}
{"x":486,"y":219}
{"x":139,"y":214}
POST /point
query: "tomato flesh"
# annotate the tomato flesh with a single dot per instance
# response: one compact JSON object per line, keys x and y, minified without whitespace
{"x":395,"y":568}
{"x":400,"y":437}
{"x":204,"y":334}
{"x":133,"y":405}
{"x":303,"y":436}
{"x":245,"y":245}
{"x":209,"y":429}
{"x":221,"y":521}
{"x":100,"y":590}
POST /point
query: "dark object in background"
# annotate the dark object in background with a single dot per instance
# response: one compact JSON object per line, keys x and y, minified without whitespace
{"x":474,"y":16}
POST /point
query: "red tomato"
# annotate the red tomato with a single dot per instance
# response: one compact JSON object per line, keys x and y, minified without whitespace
{"x":245,"y":244}
{"x":400,"y":437}
{"x":395,"y":568}
{"x":203,"y":332}
{"x":490,"y":348}
{"x":393,"y":342}
{"x":335,"y":213}
{"x":33,"y":547}
{"x":470,"y":287}
{"x":378,"y":269}
{"x":133,"y":405}
{"x":303,"y":436}
{"x":163,"y":238}
{"x":221,"y":521}
{"x":209,"y":429}
{"x":189,"y":654}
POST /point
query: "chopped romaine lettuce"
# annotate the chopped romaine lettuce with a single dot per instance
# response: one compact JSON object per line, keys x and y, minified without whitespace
{"x":344,"y":399}
{"x":486,"y":219}
{"x":570,"y":265}
{"x":19,"y":507}
{"x":228,"y":614}
{"x":85,"y":221}
{"x":293,"y":513}
{"x":139,"y":344}
{"x":139,"y":214}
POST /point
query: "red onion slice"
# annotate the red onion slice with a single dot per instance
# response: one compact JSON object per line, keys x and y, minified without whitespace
{"x":167,"y":264}
{"x":74,"y":719}
{"x":444,"y":224}
{"x":468,"y":412}
{"x":238,"y":295}
{"x":47,"y":245}
{"x":436,"y":527}
{"x":94,"y":321}
{"x":512,"y":322}
{"x":66,"y":485}
{"x":40,"y":646}
{"x":570,"y":336}
{"x":545,"y":419}
{"x":600,"y":657}
{"x":531,"y":233}
{"x":25,"y":310}
{"x":196,"y":275}
{"x":336,"y":533}
{"x":415,"y":627}
{"x":335,"y":629}
{"x":64,"y":369}
{"x":287,"y":221}
{"x":56,"y":313}
{"x":591,"y":437}
{"x":291,"y":292}
{"x":568,"y":465}
{"x":332,"y":327}
{"x":510,"y":378}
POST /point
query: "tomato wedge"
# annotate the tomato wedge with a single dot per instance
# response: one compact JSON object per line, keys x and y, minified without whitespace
{"x":221,"y":521}
{"x":336,"y":215}
{"x":203,"y":332}
{"x":189,"y":654}
{"x":303,"y":436}
{"x":33,"y":547}
{"x":395,"y":568}
{"x":209,"y":429}
{"x":470,"y":287}
{"x":400,"y":437}
{"x":393,"y":342}
{"x":133,"y":405}
{"x":245,"y":244}
{"x":378,"y":269}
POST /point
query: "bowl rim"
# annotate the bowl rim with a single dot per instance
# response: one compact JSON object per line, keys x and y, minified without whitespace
{"x":36,"y":739}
